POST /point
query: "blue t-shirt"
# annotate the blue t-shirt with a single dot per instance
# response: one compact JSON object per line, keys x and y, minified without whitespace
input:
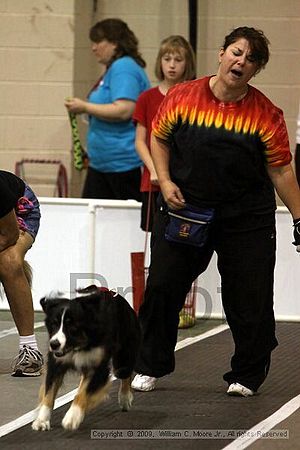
{"x":111,"y":145}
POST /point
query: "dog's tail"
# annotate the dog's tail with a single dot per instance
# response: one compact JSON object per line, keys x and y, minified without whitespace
{"x":28,"y":272}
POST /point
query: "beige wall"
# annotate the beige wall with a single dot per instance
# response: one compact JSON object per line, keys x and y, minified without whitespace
{"x":45,"y":56}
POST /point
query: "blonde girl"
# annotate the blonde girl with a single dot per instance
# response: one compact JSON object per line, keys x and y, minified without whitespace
{"x":175,"y":63}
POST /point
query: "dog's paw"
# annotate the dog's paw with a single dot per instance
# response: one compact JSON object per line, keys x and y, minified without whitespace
{"x":41,"y":425}
{"x":42,"y":422}
{"x":125,"y":401}
{"x":73,"y":418}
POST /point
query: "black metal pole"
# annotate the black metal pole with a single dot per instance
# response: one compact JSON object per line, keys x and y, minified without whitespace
{"x":193,"y":4}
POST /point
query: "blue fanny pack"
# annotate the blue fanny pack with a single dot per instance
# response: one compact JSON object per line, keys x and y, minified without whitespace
{"x":189,"y":225}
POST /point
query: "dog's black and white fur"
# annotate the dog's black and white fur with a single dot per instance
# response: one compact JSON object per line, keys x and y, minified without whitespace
{"x":91,"y":334}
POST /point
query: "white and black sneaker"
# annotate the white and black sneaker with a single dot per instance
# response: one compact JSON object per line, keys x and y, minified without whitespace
{"x":238,"y":390}
{"x":28,"y":363}
{"x":143,"y":383}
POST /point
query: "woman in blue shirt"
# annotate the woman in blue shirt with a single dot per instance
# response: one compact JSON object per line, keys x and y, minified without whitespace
{"x":114,"y":166}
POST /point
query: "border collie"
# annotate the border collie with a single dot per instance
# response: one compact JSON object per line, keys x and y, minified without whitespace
{"x":93,"y":333}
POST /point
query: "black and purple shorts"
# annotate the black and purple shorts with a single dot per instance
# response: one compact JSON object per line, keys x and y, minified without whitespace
{"x":28,"y":212}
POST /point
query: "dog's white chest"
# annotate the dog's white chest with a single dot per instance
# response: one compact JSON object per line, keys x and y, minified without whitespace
{"x":88,"y":358}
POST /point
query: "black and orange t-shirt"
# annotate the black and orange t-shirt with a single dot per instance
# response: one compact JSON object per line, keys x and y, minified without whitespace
{"x":219,"y":151}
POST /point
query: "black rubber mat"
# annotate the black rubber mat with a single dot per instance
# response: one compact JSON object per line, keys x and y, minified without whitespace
{"x":193,"y":398}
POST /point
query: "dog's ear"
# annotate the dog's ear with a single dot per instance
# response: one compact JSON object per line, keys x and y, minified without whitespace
{"x":43,"y":303}
{"x":87,"y":290}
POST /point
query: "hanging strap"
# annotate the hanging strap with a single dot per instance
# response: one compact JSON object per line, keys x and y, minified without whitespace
{"x":147,"y":222}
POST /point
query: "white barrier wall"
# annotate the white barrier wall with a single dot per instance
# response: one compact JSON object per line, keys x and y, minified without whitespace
{"x":85,"y":241}
{"x":91,"y":240}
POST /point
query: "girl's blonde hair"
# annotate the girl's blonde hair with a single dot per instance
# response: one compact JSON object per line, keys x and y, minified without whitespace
{"x":175,"y":44}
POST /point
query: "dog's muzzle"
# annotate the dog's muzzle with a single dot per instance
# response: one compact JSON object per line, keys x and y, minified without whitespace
{"x":56,"y":348}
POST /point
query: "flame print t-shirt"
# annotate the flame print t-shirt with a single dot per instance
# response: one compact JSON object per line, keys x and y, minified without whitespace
{"x":219,"y":151}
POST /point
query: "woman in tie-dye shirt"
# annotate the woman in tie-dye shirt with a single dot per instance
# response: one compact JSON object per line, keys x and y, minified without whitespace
{"x":220,"y":143}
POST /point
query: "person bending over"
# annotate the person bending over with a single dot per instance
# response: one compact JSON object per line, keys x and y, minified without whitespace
{"x":19,"y":224}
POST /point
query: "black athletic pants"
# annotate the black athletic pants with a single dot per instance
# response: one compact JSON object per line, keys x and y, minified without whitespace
{"x":113,"y":185}
{"x":245,"y":247}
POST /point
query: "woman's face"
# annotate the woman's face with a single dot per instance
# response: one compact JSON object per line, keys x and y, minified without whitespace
{"x":237,"y":66}
{"x":173,"y":66}
{"x":104,"y":51}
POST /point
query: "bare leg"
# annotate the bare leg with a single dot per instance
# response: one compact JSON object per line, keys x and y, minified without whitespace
{"x":16,"y":286}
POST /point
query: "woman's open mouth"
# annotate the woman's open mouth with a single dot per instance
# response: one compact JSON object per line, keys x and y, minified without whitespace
{"x":236,"y":73}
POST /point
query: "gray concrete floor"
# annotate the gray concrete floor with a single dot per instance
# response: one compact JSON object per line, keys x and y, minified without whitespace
{"x":20,"y":395}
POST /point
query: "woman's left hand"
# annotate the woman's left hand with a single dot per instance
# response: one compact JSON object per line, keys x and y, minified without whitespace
{"x":75,"y":105}
{"x":153,"y":177}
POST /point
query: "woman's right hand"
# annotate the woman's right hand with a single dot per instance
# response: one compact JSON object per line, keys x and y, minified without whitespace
{"x":172,"y":195}
{"x":75,"y":105}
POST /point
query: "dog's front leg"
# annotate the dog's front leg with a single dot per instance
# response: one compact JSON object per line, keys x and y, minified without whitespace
{"x":75,"y":414}
{"x":48,"y":391}
{"x":125,"y":396}
{"x":47,"y":395}
{"x":42,"y":422}
{"x":87,"y":398}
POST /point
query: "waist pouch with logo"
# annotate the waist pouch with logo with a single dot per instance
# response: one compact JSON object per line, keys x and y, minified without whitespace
{"x":189,"y":225}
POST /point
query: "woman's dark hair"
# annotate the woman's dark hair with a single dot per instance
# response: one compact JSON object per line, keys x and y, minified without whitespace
{"x":259,"y":44}
{"x":175,"y":44}
{"x":117,"y":32}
